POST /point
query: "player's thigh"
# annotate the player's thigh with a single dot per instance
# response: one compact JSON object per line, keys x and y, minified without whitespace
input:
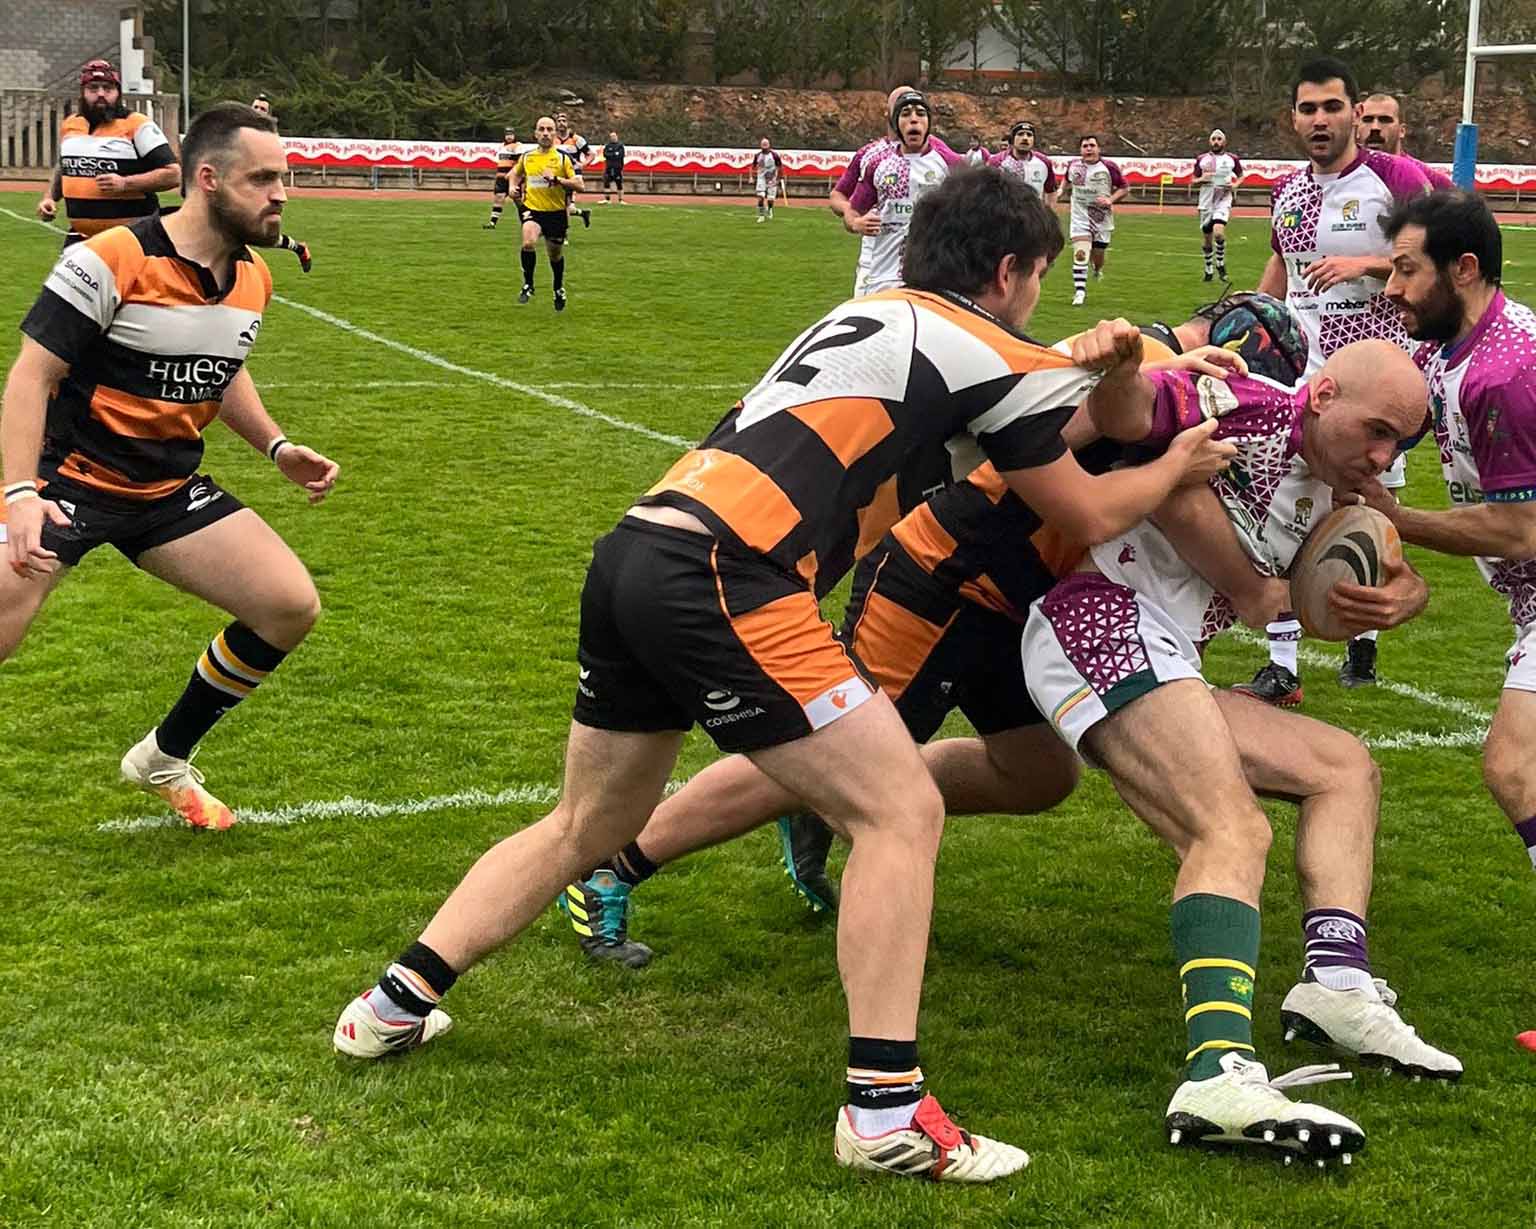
{"x":1292,"y":756}
{"x":240,"y":565}
{"x":861,"y":771}
{"x":1044,"y":768}
{"x":531,"y":232}
{"x":614,"y":779}
{"x":20,"y":600}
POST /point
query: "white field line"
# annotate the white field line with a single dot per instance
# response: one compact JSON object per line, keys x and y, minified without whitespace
{"x":436,"y":360}
{"x":386,"y":384}
{"x":1316,"y":657}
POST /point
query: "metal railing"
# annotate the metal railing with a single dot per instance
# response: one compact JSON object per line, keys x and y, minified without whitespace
{"x":30,"y":122}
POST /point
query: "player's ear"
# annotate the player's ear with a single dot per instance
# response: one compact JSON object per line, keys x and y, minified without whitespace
{"x":1325,"y":391}
{"x":1007,"y":267}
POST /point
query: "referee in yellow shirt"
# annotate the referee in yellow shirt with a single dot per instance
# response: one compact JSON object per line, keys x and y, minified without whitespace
{"x":540,"y":178}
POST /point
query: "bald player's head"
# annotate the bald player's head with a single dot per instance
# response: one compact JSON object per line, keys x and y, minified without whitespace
{"x":1368,"y":396}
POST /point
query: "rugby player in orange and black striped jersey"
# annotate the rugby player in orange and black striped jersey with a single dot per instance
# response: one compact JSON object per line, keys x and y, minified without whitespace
{"x":111,"y":160}
{"x":702,"y":607}
{"x":136,"y":343}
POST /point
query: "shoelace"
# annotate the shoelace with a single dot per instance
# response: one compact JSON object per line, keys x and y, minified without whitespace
{"x":178,"y":776}
{"x":1317,"y":1073}
{"x":615,"y":924}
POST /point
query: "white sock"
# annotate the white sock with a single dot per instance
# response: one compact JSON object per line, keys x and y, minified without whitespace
{"x":1284,"y":640}
{"x":1367,"y":636}
{"x":1345,"y":977}
{"x":878,"y":1122}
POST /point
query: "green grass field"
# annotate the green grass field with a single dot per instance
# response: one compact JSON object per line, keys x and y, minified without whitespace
{"x":171,"y":996}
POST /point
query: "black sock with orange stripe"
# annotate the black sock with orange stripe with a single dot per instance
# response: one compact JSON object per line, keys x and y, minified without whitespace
{"x":884,"y":1084}
{"x":231,"y":667}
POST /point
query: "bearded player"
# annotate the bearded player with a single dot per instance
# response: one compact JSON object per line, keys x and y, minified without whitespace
{"x":1021,"y":158}
{"x":1217,"y":174}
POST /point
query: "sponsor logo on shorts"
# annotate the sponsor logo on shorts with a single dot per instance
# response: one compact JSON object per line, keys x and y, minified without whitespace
{"x":582,"y":675}
{"x":1127,"y":554}
{"x":721,"y":701}
{"x":837,"y":701}
{"x":199,"y":497}
{"x":731,"y":718}
{"x":1515,"y":658}
{"x":247,"y":337}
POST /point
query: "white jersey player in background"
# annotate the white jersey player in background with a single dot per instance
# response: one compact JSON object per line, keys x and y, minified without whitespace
{"x":1097,"y":187}
{"x":1217,"y":174}
{"x":1330,"y":263}
{"x":1021,"y":158}
{"x":767,"y":166}
{"x":894,"y":179}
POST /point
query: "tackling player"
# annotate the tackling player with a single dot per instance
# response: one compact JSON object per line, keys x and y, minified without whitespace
{"x":1330,"y":261}
{"x":112,"y":161}
{"x":767,"y":166}
{"x":701,"y":607}
{"x":541,"y":180}
{"x":1021,"y":158}
{"x":893,"y":181}
{"x":1218,"y":174}
{"x":1381,"y":127}
{"x":136,"y":344}
{"x":1097,"y":187}
{"x":506,"y":159}
{"x":1480,"y":359}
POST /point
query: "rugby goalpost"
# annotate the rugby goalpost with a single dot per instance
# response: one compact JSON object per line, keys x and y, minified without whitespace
{"x":1464,"y":169}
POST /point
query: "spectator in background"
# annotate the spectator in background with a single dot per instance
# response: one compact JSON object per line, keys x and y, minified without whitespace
{"x":613,"y":166}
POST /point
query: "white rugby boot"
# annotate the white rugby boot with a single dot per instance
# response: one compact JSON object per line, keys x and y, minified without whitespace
{"x":931,"y":1147}
{"x":177,"y":782}
{"x":363,"y":1033}
{"x":1367,"y":1027}
{"x":1243,"y":1105}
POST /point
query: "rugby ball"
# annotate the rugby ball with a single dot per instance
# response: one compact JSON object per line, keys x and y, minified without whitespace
{"x":1355,"y":545}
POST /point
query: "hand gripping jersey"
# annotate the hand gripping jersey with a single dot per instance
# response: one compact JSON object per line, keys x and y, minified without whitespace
{"x":1482,"y":396}
{"x":151,"y":343}
{"x":893,"y":181}
{"x":1340,"y":214}
{"x":1034,"y":169}
{"x":128,"y":146}
{"x":1219,"y":172}
{"x":808,"y":469}
{"x":1089,"y":181}
{"x":1268,"y":493}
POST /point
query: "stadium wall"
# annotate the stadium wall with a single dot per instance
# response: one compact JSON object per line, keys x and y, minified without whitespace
{"x":43,"y":42}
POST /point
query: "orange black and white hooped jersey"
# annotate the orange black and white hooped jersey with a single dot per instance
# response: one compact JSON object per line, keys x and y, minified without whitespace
{"x":151,"y":343}
{"x":817,"y":461}
{"x":131,"y":145}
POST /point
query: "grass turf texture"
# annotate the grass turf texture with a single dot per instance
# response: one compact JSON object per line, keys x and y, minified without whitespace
{"x":171,"y":997}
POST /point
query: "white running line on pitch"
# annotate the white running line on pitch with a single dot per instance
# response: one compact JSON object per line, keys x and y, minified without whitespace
{"x":436,"y":360}
{"x":1315,"y":657}
{"x":376,"y":384}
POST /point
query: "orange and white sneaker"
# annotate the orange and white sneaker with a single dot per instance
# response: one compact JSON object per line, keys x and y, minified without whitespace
{"x":363,"y":1033}
{"x":930,"y":1147}
{"x":176,"y":781}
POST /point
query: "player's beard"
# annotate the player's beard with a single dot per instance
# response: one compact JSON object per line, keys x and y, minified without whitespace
{"x":1439,"y":317}
{"x":241,"y":227}
{"x":97,"y":113}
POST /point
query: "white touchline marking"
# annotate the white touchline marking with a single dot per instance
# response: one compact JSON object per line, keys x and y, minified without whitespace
{"x":436,"y":360}
{"x":1413,"y":740}
{"x":356,"y":384}
{"x":490,"y":377}
{"x":1315,"y":657}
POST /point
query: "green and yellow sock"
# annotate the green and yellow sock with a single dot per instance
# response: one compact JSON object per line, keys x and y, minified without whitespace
{"x":1216,"y":940}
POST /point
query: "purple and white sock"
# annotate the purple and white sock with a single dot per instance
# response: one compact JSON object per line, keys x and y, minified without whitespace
{"x":1336,"y":955}
{"x":1284,"y":639}
{"x":1527,"y":830}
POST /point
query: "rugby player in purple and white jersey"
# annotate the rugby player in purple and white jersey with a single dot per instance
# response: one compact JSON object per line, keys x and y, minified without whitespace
{"x":1479,"y":358}
{"x":1112,"y":656}
{"x":1381,"y":126}
{"x":1217,"y":174}
{"x":893,"y":181}
{"x":1097,"y":187}
{"x":1021,"y":158}
{"x":1330,"y":263}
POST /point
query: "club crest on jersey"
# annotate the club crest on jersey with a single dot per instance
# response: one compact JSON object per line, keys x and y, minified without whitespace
{"x":1351,"y":211}
{"x":1216,"y":399}
{"x":1303,"y":516}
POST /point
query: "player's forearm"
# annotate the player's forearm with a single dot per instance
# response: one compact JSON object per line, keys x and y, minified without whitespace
{"x":243,"y":413}
{"x":1121,"y":404}
{"x":161,"y":179}
{"x":1503,"y":531}
{"x":1273,"y":281}
{"x":1123,"y":498}
{"x":56,"y":184}
{"x":23,"y":411}
{"x":1193,"y":521}
{"x":1118,"y":195}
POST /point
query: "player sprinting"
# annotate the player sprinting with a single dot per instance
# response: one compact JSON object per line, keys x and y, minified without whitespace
{"x":893,"y":181}
{"x":1330,"y":262}
{"x":1021,"y":158}
{"x":262,"y":105}
{"x":767,"y":166}
{"x":575,"y":147}
{"x":702,"y":607}
{"x":541,"y":179}
{"x":1381,"y":127}
{"x":1218,"y":173}
{"x":136,"y":344}
{"x":112,"y":161}
{"x":1097,"y":187}
{"x":1479,"y":355}
{"x":506,"y":158}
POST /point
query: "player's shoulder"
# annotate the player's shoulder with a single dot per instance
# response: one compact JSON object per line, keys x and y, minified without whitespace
{"x":1503,"y":360}
{"x":1402,"y":175}
{"x":125,"y":248}
{"x":937,"y":318}
{"x":1291,"y":181}
{"x":74,"y":125}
